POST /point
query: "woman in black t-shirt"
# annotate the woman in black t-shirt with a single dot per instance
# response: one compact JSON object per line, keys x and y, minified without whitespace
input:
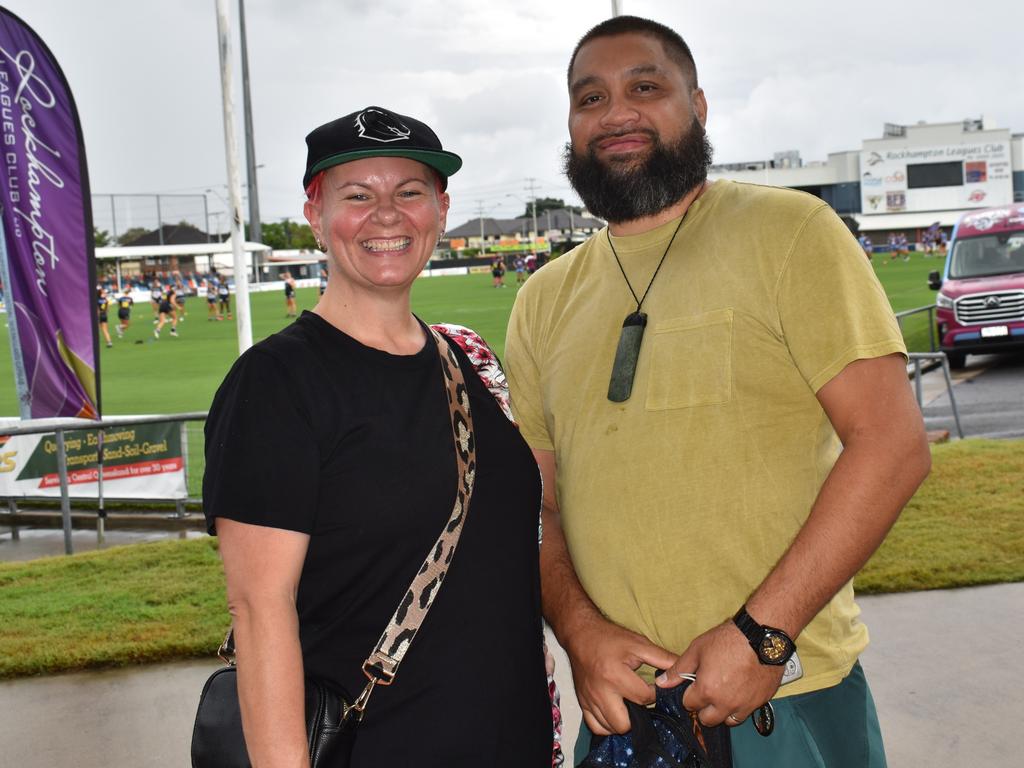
{"x":331,"y":471}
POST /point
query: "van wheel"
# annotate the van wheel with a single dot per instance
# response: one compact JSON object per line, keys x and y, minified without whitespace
{"x":957,"y":360}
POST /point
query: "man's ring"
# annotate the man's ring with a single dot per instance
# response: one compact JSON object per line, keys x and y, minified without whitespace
{"x":688,"y":676}
{"x":734,"y":719}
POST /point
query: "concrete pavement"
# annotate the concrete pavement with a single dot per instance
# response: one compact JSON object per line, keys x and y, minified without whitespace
{"x":945,"y":667}
{"x":32,"y":543}
{"x":989,"y":394}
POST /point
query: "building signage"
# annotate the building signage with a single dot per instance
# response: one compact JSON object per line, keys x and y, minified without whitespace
{"x":936,"y":178}
{"x":143,"y":461}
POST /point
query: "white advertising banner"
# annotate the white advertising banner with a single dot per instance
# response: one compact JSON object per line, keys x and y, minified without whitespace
{"x":936,"y":178}
{"x":142,"y":461}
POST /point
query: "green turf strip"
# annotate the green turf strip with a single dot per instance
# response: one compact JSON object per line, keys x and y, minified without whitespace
{"x":140,"y":374}
{"x":150,"y":602}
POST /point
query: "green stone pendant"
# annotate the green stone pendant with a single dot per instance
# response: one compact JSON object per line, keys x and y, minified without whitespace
{"x":624,"y":367}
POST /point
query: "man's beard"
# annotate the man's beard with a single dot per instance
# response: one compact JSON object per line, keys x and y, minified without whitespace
{"x":619,"y":192}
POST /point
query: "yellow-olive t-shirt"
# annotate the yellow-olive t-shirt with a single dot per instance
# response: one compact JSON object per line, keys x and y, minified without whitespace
{"x":677,"y":503}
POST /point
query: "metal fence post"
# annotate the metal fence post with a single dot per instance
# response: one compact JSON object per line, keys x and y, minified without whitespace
{"x":930,"y":310}
{"x":65,"y":499}
{"x":12,"y":510}
{"x":101,"y":513}
{"x":917,"y":383}
{"x":179,"y":504}
{"x":952,"y":399}
{"x":183,"y":429}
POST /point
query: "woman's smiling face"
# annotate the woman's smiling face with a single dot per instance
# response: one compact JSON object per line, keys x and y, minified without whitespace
{"x":379,"y":219}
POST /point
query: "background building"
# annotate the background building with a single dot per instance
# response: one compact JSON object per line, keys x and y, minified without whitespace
{"x":559,"y":228}
{"x":911,"y":178}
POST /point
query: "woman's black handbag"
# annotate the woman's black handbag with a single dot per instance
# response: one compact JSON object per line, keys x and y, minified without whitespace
{"x":217,"y":738}
{"x":663,"y":736}
{"x":332,"y":716}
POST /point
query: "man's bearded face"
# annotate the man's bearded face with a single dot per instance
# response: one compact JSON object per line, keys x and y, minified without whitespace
{"x":625,"y":187}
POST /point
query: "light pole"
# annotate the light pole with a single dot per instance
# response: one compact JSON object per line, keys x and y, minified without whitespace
{"x":532,"y":202}
{"x":255,"y":229}
{"x":218,"y":214}
{"x":480,"y":211}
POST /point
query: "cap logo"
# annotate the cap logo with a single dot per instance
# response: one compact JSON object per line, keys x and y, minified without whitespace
{"x":381,"y":126}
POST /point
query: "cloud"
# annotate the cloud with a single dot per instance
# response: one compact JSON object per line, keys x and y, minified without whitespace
{"x":489,"y":76}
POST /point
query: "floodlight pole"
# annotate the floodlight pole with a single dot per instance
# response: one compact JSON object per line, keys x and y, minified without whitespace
{"x":234,"y":183}
{"x":255,"y":228}
{"x":480,"y":213}
{"x":533,"y":203}
{"x":616,"y":8}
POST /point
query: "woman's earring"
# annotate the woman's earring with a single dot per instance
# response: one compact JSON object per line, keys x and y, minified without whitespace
{"x":440,"y":237}
{"x":319,"y":244}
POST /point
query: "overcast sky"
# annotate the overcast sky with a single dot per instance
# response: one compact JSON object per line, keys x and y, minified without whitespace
{"x":489,"y":76}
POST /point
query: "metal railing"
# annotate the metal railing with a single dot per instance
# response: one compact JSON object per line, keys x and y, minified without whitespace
{"x":59,"y":427}
{"x":916,"y":358}
{"x":933,"y":342}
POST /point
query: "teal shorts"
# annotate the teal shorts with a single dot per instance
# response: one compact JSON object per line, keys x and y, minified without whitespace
{"x":832,"y":728}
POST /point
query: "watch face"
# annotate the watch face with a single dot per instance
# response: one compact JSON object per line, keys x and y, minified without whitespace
{"x":775,"y":648}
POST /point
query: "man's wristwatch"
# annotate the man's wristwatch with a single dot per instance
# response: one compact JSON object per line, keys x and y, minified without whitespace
{"x":772,"y":646}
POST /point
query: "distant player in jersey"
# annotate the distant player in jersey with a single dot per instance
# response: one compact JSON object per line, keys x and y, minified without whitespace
{"x":323,"y":280}
{"x":155,"y":292}
{"x":498,"y":272}
{"x":865,"y":244}
{"x":211,"y":300}
{"x":224,"y":298}
{"x":124,"y":314}
{"x":168,"y":312}
{"x":289,"y":295}
{"x":103,"y":303}
{"x":519,"y":265}
{"x":180,"y":294}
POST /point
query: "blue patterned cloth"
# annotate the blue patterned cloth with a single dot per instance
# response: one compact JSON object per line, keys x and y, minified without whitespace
{"x":662,"y":736}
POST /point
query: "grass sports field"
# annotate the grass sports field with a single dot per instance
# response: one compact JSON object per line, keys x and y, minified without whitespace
{"x":143,"y":375}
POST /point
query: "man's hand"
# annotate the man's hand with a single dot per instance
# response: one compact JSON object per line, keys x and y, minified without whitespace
{"x":730,"y":678}
{"x":604,"y":659}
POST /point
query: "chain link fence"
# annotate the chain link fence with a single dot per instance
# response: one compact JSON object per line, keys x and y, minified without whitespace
{"x":126,"y":217}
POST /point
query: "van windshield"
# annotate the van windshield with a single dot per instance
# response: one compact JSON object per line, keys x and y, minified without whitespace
{"x":999,"y":254}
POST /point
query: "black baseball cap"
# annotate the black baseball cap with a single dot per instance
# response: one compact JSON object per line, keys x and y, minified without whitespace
{"x":376,"y":132}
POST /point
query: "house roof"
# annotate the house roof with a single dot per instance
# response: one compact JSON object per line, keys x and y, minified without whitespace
{"x":173,"y":234}
{"x":492,"y":228}
{"x":556,"y":219}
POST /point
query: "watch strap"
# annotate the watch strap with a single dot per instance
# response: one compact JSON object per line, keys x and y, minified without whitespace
{"x":757,"y":634}
{"x":751,"y":630}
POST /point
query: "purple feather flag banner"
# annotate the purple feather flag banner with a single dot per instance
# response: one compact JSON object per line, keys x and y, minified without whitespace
{"x":47,"y":263}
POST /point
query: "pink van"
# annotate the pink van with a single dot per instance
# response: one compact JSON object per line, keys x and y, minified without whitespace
{"x":980,"y":304}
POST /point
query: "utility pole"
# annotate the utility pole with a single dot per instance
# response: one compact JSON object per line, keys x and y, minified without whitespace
{"x":234,"y":182}
{"x":532,"y":189}
{"x":255,"y":229}
{"x":616,"y":8}
{"x":480,"y":213}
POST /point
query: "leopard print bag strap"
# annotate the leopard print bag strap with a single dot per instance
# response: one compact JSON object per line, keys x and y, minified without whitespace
{"x":382,"y":665}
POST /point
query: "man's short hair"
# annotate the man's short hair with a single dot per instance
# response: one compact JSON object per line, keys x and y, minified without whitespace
{"x":674,"y":45}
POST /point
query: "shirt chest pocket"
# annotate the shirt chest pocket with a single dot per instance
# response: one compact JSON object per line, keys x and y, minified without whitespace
{"x":691,"y":362}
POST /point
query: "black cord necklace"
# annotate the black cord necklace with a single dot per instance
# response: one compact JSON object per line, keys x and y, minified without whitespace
{"x":626,"y":354}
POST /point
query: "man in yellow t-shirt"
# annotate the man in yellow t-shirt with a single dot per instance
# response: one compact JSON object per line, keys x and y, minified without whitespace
{"x":715,"y":390}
